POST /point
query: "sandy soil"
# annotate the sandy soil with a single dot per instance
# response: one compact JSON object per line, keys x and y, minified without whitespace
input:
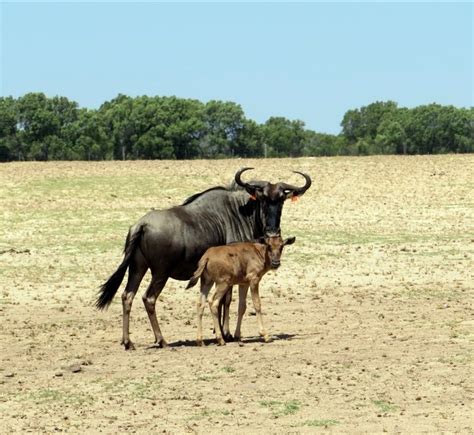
{"x":371,"y":311}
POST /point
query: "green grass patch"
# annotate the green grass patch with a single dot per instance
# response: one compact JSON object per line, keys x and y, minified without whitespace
{"x":320,"y":423}
{"x":48,"y":395}
{"x":282,"y":408}
{"x":384,"y":406}
{"x":138,"y":389}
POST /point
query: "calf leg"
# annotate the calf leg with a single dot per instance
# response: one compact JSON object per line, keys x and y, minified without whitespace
{"x":221,"y":290}
{"x":243,"y":289}
{"x":135,"y":274}
{"x":225,"y":322}
{"x":149,"y":299}
{"x":201,"y":304}
{"x":258,"y":309}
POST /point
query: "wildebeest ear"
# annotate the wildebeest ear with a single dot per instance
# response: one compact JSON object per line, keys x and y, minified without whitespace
{"x":289,"y":241}
{"x":294,"y":192}
{"x":289,"y":194}
{"x":254,"y":192}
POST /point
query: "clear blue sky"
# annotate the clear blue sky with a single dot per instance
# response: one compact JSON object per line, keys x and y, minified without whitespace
{"x":308,"y":61}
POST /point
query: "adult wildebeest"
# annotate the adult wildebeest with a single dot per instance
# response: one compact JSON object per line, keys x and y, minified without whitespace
{"x":242,"y":263}
{"x":171,"y":242}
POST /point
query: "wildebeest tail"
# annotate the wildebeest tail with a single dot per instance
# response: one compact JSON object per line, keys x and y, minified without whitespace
{"x":109,"y":288}
{"x":195,"y":278}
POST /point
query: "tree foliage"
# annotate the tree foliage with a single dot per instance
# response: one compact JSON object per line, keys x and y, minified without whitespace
{"x":35,"y":127}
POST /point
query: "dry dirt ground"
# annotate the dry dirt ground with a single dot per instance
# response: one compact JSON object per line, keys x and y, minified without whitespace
{"x":371,"y":311}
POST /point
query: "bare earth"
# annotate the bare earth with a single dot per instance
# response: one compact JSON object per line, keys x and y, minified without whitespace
{"x":371,"y":311}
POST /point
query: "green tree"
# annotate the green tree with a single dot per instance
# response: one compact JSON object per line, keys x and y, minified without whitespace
{"x":391,"y":137}
{"x":284,"y":138}
{"x":321,"y":144}
{"x":250,"y":141}
{"x":40,"y":121}
{"x":117,"y":118}
{"x":185,"y":126}
{"x":363,"y":123}
{"x":86,"y":138}
{"x":8,"y":130}
{"x":224,"y":123}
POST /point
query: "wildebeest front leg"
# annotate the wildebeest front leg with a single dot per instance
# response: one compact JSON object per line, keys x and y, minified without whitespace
{"x":243,"y":289}
{"x":135,"y":274}
{"x":258,"y":309}
{"x":149,"y":299}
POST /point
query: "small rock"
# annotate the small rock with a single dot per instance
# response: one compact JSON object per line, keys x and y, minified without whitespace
{"x":9,"y":374}
{"x":76,"y":368}
{"x":228,"y":400}
{"x":58,"y":374}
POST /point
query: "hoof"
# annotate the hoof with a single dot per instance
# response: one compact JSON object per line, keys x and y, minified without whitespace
{"x":267,"y":339}
{"x":199,"y":342}
{"x":228,"y":337}
{"x":220,"y":342}
{"x":128,"y":345}
{"x":159,"y":345}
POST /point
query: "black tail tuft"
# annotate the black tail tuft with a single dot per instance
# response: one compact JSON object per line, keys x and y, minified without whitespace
{"x":109,"y":288}
{"x":192,"y":282}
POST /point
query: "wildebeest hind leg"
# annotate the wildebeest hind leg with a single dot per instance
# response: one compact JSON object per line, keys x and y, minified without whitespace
{"x":201,"y":304}
{"x":149,"y":299}
{"x":136,"y":271}
{"x":243,"y":290}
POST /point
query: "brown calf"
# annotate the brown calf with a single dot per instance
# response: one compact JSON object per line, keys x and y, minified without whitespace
{"x":239,"y":263}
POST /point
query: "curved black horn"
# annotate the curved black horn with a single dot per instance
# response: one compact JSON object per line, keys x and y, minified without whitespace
{"x":238,"y":180}
{"x":299,"y":190}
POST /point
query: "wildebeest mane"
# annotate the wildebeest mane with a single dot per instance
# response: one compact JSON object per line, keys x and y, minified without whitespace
{"x":197,"y":195}
{"x":233,"y":187}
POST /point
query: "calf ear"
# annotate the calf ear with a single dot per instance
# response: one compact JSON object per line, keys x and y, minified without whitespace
{"x":289,"y":241}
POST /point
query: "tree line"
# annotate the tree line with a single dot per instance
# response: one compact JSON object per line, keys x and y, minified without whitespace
{"x":36,"y":127}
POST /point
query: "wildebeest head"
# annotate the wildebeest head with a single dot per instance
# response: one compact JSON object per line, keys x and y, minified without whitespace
{"x":275,"y":245}
{"x":271,"y":197}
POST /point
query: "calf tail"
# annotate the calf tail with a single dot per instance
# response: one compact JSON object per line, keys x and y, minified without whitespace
{"x":109,"y":288}
{"x":195,"y":278}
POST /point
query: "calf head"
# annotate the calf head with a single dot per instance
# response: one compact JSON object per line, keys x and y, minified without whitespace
{"x":274,"y":248}
{"x":271,"y":198}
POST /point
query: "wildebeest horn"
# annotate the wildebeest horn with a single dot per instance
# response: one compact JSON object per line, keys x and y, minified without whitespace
{"x":248,"y":186}
{"x":297,"y":191}
{"x":238,"y":180}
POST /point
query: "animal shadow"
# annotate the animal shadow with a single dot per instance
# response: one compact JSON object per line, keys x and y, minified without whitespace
{"x":246,"y":340}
